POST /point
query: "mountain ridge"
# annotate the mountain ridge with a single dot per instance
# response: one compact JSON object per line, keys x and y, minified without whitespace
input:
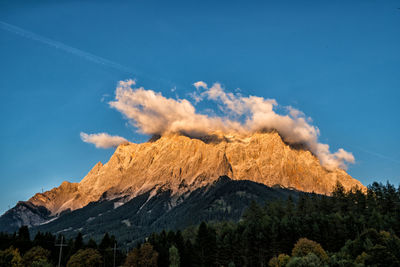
{"x":183,"y":164}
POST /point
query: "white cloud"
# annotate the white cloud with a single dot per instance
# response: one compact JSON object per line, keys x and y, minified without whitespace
{"x":128,"y":82}
{"x":196,"y":97}
{"x":152,"y":113}
{"x":102,"y":140}
{"x":200,"y":84}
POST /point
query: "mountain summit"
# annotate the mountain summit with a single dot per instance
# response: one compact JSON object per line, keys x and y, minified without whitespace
{"x":182,"y":164}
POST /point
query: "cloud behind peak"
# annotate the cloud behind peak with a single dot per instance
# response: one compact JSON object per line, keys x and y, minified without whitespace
{"x":154,"y":114}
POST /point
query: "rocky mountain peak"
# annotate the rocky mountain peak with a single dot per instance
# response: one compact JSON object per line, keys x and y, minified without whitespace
{"x":174,"y":159}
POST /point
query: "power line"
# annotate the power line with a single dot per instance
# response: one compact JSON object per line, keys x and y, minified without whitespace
{"x":115,"y":249}
{"x":61,"y":245}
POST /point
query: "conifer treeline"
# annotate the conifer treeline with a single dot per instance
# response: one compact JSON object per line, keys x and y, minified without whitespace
{"x":346,"y":229}
{"x":352,"y":229}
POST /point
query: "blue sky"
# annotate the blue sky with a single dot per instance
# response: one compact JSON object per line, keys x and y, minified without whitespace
{"x":337,"y":61}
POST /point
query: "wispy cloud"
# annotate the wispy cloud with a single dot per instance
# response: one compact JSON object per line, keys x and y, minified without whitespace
{"x":69,"y":49}
{"x":103,"y":140}
{"x":152,"y":113}
{"x":103,"y":97}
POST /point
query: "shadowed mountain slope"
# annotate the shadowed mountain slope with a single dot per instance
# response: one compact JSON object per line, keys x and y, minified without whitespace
{"x":224,"y":199}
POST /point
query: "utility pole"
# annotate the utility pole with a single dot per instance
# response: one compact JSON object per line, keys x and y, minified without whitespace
{"x":60,"y":245}
{"x":115,"y":249}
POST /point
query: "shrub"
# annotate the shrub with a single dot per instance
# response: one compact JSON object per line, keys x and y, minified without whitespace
{"x":304,"y":246}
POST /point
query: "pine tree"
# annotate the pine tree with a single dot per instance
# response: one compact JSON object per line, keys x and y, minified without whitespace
{"x":205,"y":246}
{"x":23,"y":241}
{"x":174,"y":259}
{"x":78,"y":243}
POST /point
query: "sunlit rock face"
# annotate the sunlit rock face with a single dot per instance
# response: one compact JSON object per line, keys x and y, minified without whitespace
{"x":182,"y":164}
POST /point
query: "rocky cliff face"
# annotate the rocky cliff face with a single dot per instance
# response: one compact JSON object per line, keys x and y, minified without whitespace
{"x":184,"y":164}
{"x":24,"y":213}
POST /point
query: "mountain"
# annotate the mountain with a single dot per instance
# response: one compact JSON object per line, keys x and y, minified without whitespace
{"x":180,"y":165}
{"x":222,"y":200}
{"x":24,"y":213}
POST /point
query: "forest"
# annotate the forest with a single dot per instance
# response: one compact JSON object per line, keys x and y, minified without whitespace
{"x":352,"y":228}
